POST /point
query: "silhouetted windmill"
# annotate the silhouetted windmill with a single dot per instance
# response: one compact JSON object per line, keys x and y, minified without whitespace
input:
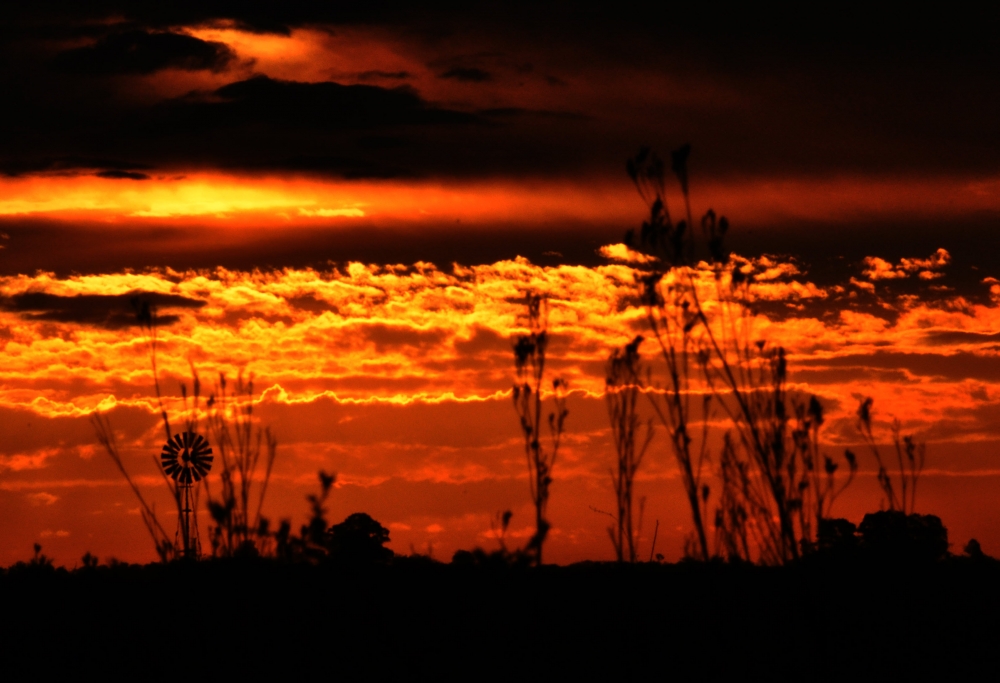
{"x":187,"y":458}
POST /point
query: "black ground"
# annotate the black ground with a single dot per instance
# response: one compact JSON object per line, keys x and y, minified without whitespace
{"x":415,"y":619}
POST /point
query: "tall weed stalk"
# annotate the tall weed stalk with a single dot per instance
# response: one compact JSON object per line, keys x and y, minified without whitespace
{"x":185,"y":538}
{"x":529,"y":362}
{"x":621,"y":395}
{"x":910,"y":458}
{"x":775,"y":490}
{"x":243,"y":449}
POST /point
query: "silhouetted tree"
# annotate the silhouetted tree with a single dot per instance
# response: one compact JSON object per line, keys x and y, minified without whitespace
{"x":359,"y":539}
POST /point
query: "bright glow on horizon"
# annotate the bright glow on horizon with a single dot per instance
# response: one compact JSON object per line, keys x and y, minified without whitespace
{"x":277,"y":200}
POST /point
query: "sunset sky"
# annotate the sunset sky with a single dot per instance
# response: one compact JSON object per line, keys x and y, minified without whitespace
{"x":348,"y":200}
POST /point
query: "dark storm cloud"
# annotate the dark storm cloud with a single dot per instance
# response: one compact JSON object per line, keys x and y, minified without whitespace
{"x":108,"y":311}
{"x":141,"y":52}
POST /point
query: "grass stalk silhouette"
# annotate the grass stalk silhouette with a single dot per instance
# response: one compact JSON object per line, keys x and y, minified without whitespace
{"x":673,"y":311}
{"x":187,"y":539}
{"x":621,"y":395}
{"x":312,"y":543}
{"x":239,"y":527}
{"x":775,"y":490}
{"x":777,"y":486}
{"x":184,"y":543}
{"x":498,"y":527}
{"x":165,"y":548}
{"x":529,"y":362}
{"x":910,"y":458}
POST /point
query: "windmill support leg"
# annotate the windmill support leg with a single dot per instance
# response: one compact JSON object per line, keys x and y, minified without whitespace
{"x":186,"y":524}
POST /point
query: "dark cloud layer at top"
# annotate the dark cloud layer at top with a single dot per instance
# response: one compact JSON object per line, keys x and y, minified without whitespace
{"x":756,"y":91}
{"x":756,"y":94}
{"x":253,"y":124}
{"x":861,"y":27}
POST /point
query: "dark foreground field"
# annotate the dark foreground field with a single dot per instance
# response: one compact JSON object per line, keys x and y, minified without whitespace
{"x":415,"y":619}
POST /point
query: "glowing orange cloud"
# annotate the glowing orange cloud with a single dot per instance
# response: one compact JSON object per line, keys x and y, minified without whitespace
{"x":398,"y":378}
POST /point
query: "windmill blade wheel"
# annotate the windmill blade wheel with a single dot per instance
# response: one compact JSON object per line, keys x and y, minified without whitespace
{"x":187,"y":457}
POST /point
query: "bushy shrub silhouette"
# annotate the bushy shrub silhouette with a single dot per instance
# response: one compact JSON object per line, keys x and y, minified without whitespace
{"x":974,"y":550}
{"x":311,"y":543}
{"x":89,"y":561}
{"x":886,"y":536}
{"x":837,"y":536}
{"x":895,"y":535}
{"x":496,"y":560}
{"x":358,"y":540}
{"x":38,"y":565}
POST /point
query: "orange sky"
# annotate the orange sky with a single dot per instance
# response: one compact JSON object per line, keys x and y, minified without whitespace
{"x":397,"y":378}
{"x":349,"y":208}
